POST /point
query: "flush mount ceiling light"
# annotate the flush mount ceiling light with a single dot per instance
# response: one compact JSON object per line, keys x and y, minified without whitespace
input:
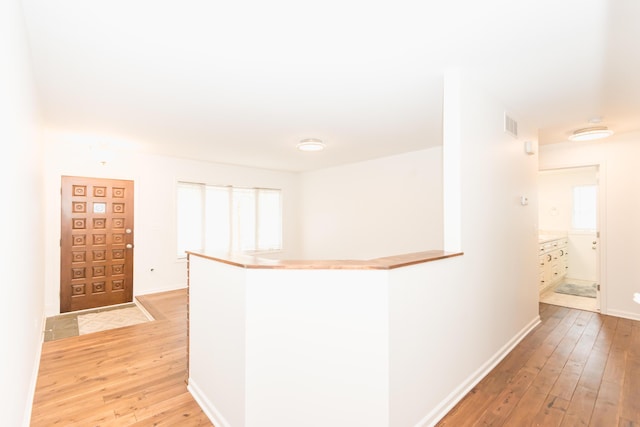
{"x":587,"y":134}
{"x":311,"y":144}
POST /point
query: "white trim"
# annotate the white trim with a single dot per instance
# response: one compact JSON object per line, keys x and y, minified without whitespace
{"x":159,"y":290}
{"x":433,"y":417}
{"x":207,"y":407}
{"x":143,"y":310}
{"x":624,"y":314}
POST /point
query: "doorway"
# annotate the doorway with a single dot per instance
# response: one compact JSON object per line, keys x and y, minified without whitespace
{"x":568,"y":211}
{"x":96,"y":243}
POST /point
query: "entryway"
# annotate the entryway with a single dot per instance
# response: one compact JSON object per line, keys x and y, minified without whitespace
{"x":95,"y":320}
{"x":96,"y":243}
{"x":568,"y":210}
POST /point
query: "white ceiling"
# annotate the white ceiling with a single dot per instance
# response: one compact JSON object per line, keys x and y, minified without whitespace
{"x":242,"y":81}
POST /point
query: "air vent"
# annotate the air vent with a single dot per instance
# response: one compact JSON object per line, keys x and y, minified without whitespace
{"x":510,"y":126}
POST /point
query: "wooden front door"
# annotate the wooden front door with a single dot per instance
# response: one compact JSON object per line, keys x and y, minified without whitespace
{"x":96,"y":244}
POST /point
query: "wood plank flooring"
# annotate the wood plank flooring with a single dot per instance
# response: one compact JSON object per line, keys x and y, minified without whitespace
{"x":131,"y":376}
{"x":577,"y":368}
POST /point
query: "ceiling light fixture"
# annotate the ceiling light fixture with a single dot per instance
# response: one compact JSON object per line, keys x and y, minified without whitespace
{"x":587,"y":134}
{"x":311,"y":144}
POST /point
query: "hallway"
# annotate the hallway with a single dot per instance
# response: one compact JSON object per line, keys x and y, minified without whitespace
{"x":576,"y":368}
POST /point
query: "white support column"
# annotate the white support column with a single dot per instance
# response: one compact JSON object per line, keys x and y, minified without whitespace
{"x":451,"y":159}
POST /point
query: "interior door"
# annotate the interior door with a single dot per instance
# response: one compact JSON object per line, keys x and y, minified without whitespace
{"x":96,"y":243}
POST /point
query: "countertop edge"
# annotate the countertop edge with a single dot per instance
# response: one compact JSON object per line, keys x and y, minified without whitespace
{"x":384,"y":263}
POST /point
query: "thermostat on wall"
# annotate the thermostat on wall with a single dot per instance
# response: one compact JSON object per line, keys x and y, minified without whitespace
{"x":529,"y":148}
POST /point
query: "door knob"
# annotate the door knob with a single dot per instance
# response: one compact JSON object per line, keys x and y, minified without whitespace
{"x":128,"y":231}
{"x":129,"y":245}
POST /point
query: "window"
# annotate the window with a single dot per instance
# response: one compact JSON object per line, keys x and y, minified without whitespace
{"x":584,"y":207}
{"x":223,"y":218}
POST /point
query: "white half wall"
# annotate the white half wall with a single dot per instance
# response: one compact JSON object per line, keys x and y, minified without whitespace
{"x":440,"y":343}
{"x":22,"y":254}
{"x":317,"y":345}
{"x":449,"y":321}
{"x":619,"y":226}
{"x":217,"y":297}
{"x":155,"y":179}
{"x":373,"y":209}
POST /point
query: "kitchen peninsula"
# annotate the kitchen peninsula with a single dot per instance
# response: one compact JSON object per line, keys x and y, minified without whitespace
{"x":293,"y":343}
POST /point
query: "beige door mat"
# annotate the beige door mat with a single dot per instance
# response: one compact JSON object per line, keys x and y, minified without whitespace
{"x":111,"y":319}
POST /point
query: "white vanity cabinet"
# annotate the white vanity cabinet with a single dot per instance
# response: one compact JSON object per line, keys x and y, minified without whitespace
{"x":552,"y":259}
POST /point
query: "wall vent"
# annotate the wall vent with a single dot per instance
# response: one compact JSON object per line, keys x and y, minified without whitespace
{"x":510,"y":125}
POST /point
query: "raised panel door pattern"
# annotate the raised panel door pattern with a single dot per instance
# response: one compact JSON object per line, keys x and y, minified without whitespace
{"x":96,"y":243}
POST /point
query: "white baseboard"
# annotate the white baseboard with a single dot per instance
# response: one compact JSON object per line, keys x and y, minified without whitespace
{"x":207,"y":407}
{"x":461,"y":391}
{"x":34,"y":375}
{"x":623,"y":314}
{"x":158,"y":290}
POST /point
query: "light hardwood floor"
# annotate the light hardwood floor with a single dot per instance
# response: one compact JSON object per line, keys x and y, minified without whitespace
{"x":577,"y":368}
{"x":132,"y":376}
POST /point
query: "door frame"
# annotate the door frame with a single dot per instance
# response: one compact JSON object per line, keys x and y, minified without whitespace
{"x":601,"y":265}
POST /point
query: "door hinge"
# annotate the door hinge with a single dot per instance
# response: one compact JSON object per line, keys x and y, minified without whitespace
{"x":598,"y":287}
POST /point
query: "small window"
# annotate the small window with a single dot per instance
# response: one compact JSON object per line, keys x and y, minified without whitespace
{"x":228,"y":219}
{"x":585,"y":207}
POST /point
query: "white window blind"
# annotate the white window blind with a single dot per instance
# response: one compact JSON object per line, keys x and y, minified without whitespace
{"x":190,"y":218}
{"x":223,"y":218}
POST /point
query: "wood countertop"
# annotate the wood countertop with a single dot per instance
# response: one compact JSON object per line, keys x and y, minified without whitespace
{"x":385,"y":263}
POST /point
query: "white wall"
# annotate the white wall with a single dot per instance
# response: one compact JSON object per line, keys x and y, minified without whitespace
{"x":22,"y":256}
{"x":478,"y":305}
{"x":499,"y":235}
{"x":155,"y":180}
{"x":375,"y":208}
{"x":619,"y":226}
